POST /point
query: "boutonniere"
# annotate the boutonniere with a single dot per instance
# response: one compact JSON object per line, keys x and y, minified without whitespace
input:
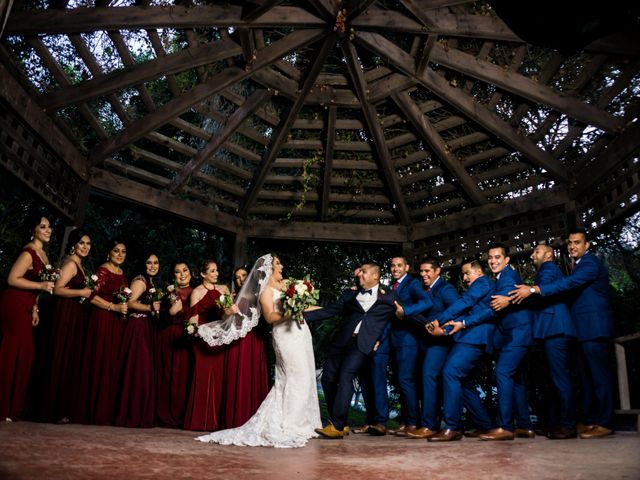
{"x":381,"y":291}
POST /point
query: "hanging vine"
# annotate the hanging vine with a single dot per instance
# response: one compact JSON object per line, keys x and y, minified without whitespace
{"x":308,"y":180}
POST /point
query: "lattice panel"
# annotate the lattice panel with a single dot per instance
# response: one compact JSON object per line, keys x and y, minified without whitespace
{"x":520,"y":233}
{"x":33,"y":162}
{"x":615,"y":198}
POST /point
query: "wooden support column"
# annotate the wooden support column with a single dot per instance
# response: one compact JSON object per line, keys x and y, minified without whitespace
{"x":240,"y":248}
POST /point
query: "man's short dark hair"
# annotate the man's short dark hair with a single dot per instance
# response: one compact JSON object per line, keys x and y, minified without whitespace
{"x":578,"y":231}
{"x":505,"y":249}
{"x":433,"y":261}
{"x":475,"y":263}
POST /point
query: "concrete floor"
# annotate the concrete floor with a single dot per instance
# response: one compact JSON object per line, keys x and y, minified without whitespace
{"x":50,"y":452}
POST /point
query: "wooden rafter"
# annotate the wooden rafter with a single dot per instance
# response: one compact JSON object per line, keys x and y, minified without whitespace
{"x":360,"y":7}
{"x":433,"y":139}
{"x":330,"y":135}
{"x":218,"y":138}
{"x":524,"y":87}
{"x":373,"y":124}
{"x":280,"y":137}
{"x":197,"y":94}
{"x":166,"y":65}
{"x":80,"y":20}
{"x":463,"y":102}
{"x":326,"y":8}
{"x":260,"y":9}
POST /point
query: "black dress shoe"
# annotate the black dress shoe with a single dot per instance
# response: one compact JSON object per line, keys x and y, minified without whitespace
{"x":562,"y":433}
{"x":446,"y":435}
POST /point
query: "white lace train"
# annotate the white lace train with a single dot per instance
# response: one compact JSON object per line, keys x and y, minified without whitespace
{"x":290,"y":412}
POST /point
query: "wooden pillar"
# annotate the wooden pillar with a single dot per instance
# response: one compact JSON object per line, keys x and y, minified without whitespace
{"x":240,"y":248}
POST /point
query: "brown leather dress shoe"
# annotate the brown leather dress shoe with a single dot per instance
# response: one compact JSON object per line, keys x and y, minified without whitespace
{"x":524,"y":433}
{"x":446,"y":435}
{"x":363,"y":429}
{"x":583,"y":427}
{"x":497,"y":434}
{"x":562,"y":433}
{"x":400,"y":428}
{"x":330,"y":432}
{"x":475,"y":433}
{"x":596,"y":432}
{"x":407,"y":429}
{"x":422,"y":432}
{"x":377,"y":430}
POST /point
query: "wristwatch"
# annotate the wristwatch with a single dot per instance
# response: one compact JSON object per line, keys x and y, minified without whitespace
{"x":532,"y":290}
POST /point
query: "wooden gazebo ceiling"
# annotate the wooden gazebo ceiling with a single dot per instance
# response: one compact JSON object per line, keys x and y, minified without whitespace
{"x":391,"y":113}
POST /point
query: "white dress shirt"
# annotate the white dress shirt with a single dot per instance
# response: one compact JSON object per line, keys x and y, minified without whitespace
{"x":366,"y":301}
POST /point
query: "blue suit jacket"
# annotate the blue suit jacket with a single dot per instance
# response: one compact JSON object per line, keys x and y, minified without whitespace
{"x":373,"y":321}
{"x":413,"y":299}
{"x":443,"y":295}
{"x":473,"y":307}
{"x":551,"y":314}
{"x":588,"y":286}
{"x":513,"y":325}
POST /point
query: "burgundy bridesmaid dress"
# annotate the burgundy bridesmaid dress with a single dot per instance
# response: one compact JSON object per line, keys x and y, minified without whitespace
{"x":16,"y":342}
{"x":136,"y":399}
{"x":246,"y":378}
{"x":205,"y":399}
{"x":63,"y":386}
{"x":174,"y":366}
{"x":99,"y":380}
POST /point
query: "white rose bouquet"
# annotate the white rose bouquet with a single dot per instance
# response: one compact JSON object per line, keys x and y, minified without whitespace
{"x":298,"y":296}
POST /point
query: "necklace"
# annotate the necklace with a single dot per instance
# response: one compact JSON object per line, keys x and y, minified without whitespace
{"x":204,"y":284}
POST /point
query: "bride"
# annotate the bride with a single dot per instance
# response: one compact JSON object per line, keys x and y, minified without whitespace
{"x":290,"y":412}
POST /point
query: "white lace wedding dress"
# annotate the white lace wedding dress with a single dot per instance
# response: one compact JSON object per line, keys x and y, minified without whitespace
{"x":290,"y":412}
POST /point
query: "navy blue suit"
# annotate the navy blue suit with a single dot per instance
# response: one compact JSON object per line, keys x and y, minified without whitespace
{"x":553,"y":328}
{"x":588,"y":287}
{"x":404,"y":343}
{"x":348,"y":352}
{"x":512,"y":338}
{"x":470,"y":344}
{"x":434,"y":351}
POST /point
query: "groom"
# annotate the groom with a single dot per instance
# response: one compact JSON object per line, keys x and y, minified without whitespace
{"x":367,"y":312}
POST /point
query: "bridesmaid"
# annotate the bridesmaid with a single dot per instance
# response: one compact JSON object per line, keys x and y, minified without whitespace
{"x":68,"y":330}
{"x":205,"y":398}
{"x":98,"y":383}
{"x":174,"y":357}
{"x":246,"y":373}
{"x":135,"y":406}
{"x":18,"y":316}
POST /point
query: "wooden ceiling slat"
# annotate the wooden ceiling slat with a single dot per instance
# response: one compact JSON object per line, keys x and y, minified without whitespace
{"x":214,"y":85}
{"x":330,"y":139}
{"x":371,"y":117}
{"x":465,"y":104}
{"x":431,"y":136}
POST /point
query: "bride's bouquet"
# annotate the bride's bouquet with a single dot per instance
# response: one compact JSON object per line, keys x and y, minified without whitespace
{"x":298,"y":296}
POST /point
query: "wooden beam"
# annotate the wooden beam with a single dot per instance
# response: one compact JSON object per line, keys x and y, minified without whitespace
{"x":423,"y":60}
{"x":490,"y":213}
{"x":259,"y":10}
{"x":525,"y":87}
{"x":115,"y":185}
{"x":280,"y":137}
{"x":430,"y":135}
{"x":329,"y":232}
{"x":82,"y":20}
{"x":144,"y":72}
{"x":379,"y":141}
{"x":197,"y":94}
{"x":326,"y":8}
{"x":466,"y":104}
{"x":361,"y":6}
{"x":330,"y":135}
{"x":617,"y":152}
{"x":218,"y":138}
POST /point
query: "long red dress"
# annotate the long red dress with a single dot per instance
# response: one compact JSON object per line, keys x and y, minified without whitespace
{"x":246,"y":378}
{"x":16,"y":342}
{"x":174,"y":366}
{"x":205,"y":398}
{"x":69,"y":323}
{"x":99,"y":381}
{"x":136,"y":399}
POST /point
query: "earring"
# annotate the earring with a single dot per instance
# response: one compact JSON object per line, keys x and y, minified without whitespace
{"x":31,"y":238}
{"x":73,"y":250}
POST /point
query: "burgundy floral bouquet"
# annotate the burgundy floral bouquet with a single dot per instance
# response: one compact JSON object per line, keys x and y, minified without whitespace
{"x":154,"y":295}
{"x":191,"y":329}
{"x":90,"y":281}
{"x":298,"y":296}
{"x":122,"y":295}
{"x":49,"y":274}
{"x":172,"y":293}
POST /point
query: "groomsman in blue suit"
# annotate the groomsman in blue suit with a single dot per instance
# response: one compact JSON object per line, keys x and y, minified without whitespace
{"x":472,"y":330}
{"x":512,"y":338}
{"x":434,"y":349}
{"x":588,"y":286}
{"x":412,"y":299}
{"x":367,"y":311}
{"x":553,"y":328}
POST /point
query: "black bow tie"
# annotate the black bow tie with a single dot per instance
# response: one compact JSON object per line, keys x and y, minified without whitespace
{"x":363,"y":291}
